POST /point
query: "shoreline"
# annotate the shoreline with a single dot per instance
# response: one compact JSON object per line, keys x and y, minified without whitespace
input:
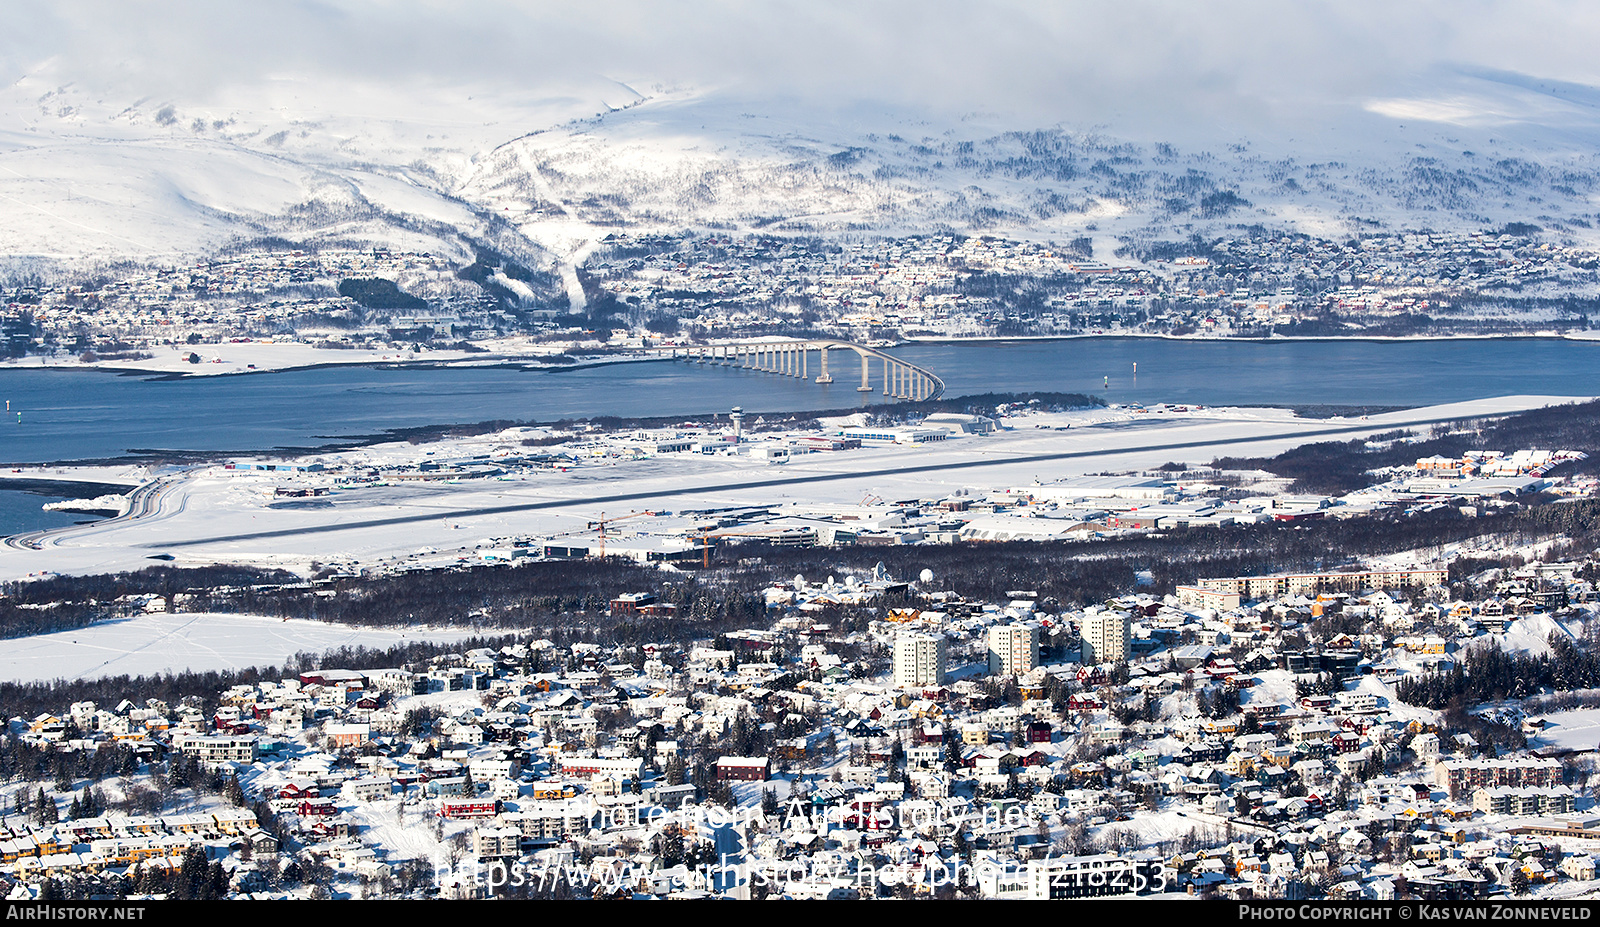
{"x":64,"y":488}
{"x":536,"y":363}
{"x":442,"y":431}
{"x":509,"y":362}
{"x":1272,"y":339}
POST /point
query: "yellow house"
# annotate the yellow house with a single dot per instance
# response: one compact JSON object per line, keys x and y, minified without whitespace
{"x":45,"y":724}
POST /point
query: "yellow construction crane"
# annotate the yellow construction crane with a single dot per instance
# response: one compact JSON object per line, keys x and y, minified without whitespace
{"x":706,"y":536}
{"x":603,"y":521}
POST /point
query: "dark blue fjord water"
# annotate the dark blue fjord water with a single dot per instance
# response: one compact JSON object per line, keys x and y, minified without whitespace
{"x":24,"y":511}
{"x":85,"y":414}
{"x":58,"y":415}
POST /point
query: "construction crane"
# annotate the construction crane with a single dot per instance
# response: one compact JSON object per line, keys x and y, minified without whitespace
{"x":705,"y":537}
{"x":603,"y":521}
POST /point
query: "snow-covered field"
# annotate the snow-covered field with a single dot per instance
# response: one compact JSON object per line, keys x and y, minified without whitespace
{"x":1569,"y":730}
{"x":212,"y":515}
{"x":260,"y":356}
{"x":163,"y":643}
{"x":1532,"y":635}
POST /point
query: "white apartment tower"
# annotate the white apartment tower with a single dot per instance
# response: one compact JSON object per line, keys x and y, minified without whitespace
{"x":919,"y":660}
{"x":1013,"y":648}
{"x":1107,"y":636}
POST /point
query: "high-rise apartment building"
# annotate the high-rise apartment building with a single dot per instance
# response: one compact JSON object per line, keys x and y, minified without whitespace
{"x":1013,"y":648}
{"x":1107,"y":636}
{"x":919,"y":659}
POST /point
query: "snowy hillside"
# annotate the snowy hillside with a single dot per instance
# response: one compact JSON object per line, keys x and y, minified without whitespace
{"x":693,"y":161}
{"x":90,"y":177}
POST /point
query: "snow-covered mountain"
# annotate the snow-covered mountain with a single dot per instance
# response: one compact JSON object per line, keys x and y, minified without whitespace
{"x":694,"y":161}
{"x":90,"y":177}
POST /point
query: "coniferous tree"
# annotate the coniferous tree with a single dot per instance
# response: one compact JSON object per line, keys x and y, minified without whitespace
{"x":45,"y":812}
{"x":234,"y":792}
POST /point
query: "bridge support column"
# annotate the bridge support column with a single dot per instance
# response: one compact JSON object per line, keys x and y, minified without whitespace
{"x":902,"y":380}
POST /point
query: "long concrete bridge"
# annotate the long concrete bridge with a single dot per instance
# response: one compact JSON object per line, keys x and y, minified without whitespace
{"x":792,"y":358}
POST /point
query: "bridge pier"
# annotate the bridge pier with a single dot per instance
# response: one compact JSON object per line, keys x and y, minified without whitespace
{"x":901,"y":379}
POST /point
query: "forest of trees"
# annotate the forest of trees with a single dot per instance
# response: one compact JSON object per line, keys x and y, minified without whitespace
{"x":377,"y":293}
{"x":1486,"y":674}
{"x":570,"y":598}
{"x":1338,"y":467}
{"x":60,"y":603}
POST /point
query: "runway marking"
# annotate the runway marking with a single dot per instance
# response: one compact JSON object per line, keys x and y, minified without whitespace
{"x":434,"y":514}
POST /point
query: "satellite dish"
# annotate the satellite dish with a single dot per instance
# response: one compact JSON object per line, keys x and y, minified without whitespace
{"x":799,"y":581}
{"x":878,"y":571}
{"x":926,"y":576}
{"x":849,"y":582}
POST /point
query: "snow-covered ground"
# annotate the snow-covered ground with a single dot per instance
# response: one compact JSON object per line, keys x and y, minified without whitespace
{"x":260,"y":356}
{"x":210,"y":515}
{"x":1569,"y":730}
{"x":1532,"y":635}
{"x":172,"y":643}
{"x":94,"y":167}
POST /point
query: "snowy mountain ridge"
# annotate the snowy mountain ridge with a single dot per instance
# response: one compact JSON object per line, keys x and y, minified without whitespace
{"x":89,"y":179}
